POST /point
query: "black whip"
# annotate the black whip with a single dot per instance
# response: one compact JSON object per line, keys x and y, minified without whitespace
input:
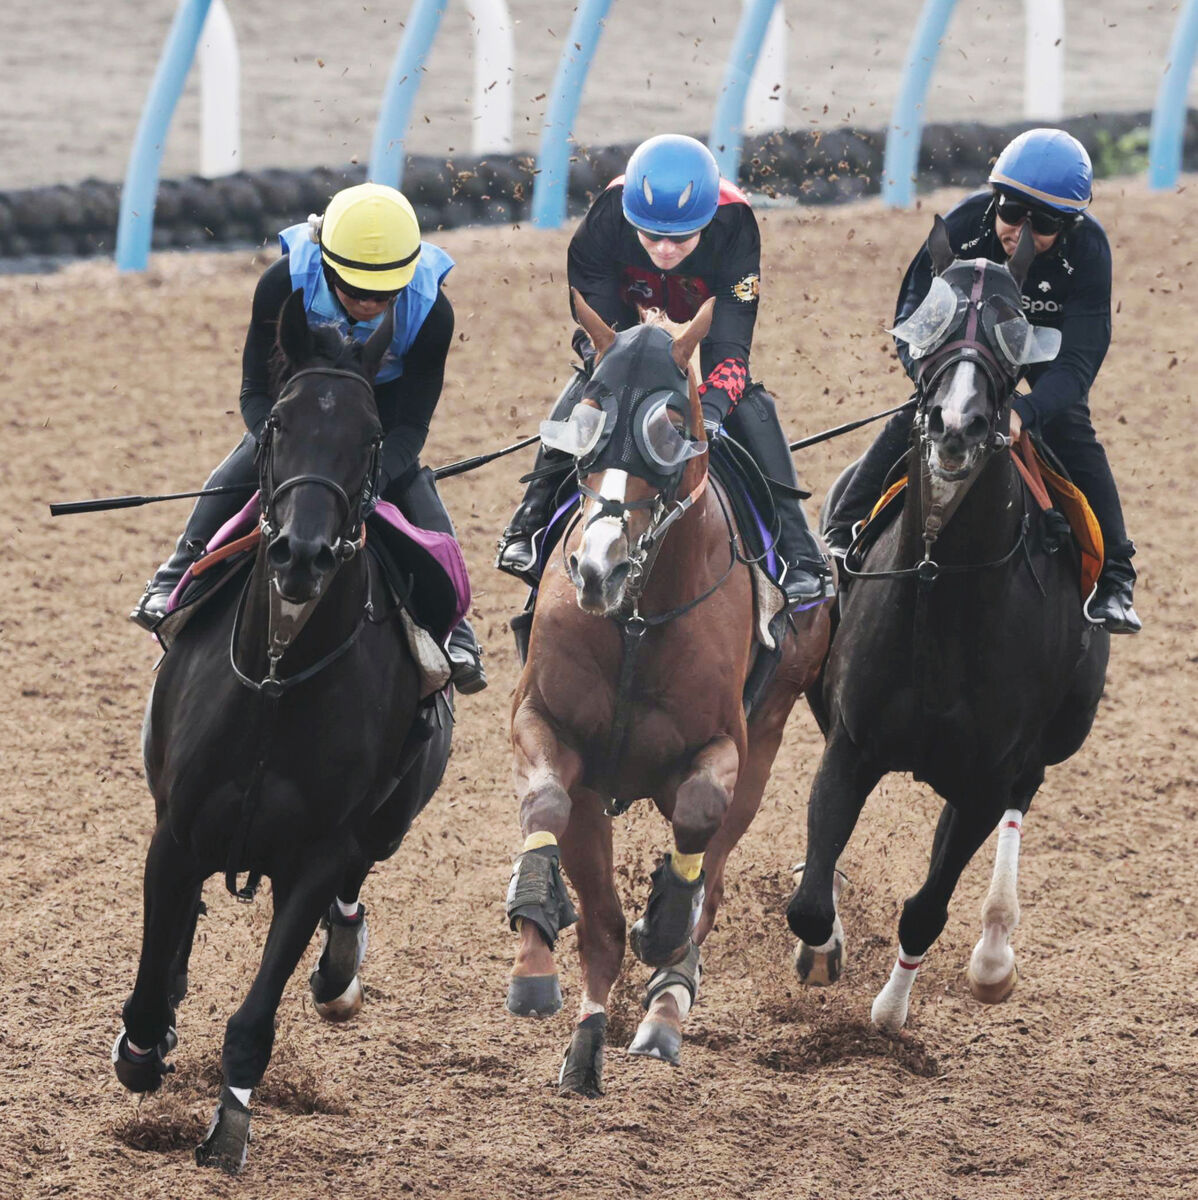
{"x":815,"y":438}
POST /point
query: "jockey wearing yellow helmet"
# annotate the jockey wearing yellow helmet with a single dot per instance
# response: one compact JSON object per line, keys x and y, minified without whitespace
{"x":363,"y":256}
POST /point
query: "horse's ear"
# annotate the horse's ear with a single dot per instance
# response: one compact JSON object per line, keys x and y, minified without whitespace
{"x":693,"y":334}
{"x":1019,"y":262}
{"x":294,"y":336}
{"x":939,"y":246}
{"x":593,"y":325}
{"x":377,"y":344}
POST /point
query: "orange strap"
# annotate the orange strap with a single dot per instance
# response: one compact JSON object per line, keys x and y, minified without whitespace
{"x":1029,"y":467}
{"x":226,"y":551}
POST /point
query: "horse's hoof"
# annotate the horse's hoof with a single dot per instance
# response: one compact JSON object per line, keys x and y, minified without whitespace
{"x":227,"y":1141}
{"x":339,"y":1008}
{"x":819,"y":968}
{"x":993,"y":993}
{"x":141,"y":1073}
{"x":582,"y":1068}
{"x":534,"y":995}
{"x":655,"y":1039}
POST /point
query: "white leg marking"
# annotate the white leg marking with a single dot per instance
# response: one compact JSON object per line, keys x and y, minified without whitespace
{"x":682,"y":997}
{"x":242,"y":1094}
{"x":993,"y":959}
{"x":889,"y":1009}
{"x":588,"y":1008}
{"x":347,"y":910}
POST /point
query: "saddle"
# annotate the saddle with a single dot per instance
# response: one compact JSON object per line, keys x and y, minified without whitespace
{"x":748,"y":494}
{"x":422,"y":570}
{"x":1065,"y":507}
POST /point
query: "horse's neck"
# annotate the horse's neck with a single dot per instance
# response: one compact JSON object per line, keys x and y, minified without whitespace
{"x":981,"y":520}
{"x":334,"y":619}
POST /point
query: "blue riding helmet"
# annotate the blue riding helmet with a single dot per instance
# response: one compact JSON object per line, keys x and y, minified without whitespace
{"x":671,"y":186}
{"x":1049,"y":167}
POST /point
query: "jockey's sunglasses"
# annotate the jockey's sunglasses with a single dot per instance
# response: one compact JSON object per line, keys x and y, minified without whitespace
{"x":676,"y":238}
{"x":1043,"y":222}
{"x":360,"y":294}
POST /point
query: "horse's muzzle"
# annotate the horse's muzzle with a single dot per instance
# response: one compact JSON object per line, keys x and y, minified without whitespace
{"x":300,"y":566}
{"x":600,"y":592}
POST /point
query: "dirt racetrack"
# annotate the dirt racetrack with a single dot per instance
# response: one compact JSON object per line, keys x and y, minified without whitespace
{"x":1084,"y":1084}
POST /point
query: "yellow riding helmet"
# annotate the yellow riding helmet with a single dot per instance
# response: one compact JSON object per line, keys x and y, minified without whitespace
{"x":370,"y":238}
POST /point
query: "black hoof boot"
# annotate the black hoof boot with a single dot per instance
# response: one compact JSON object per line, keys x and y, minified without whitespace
{"x":228,"y":1138}
{"x":141,"y":1073}
{"x":582,"y":1068}
{"x":336,"y":989}
{"x":662,"y":935}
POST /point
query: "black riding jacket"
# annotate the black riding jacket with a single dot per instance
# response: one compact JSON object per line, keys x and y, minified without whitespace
{"x":609,"y":266}
{"x":406,"y":403}
{"x":1068,"y":288}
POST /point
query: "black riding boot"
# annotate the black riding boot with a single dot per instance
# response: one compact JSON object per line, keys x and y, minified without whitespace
{"x":754,"y":423}
{"x":420,"y":502}
{"x":1071,"y":436}
{"x":208,"y":515}
{"x":865,"y":487}
{"x":517,"y":549}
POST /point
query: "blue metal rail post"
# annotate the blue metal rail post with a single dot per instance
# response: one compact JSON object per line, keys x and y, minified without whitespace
{"x":140,"y":192}
{"x":399,"y":94}
{"x":1169,"y":115}
{"x":553,"y":165}
{"x":901,"y":160}
{"x":728,"y":124}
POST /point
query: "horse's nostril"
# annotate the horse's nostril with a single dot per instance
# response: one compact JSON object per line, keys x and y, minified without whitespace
{"x":977,"y":428}
{"x":936,"y":422}
{"x":279,"y":552}
{"x":325,"y":561}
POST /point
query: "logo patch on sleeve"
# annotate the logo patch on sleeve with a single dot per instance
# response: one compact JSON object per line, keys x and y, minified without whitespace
{"x":748,"y":289}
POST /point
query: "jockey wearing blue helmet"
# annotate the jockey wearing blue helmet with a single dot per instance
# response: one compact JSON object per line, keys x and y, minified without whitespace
{"x":1042,"y":179}
{"x":670,"y":234}
{"x":671,"y":186}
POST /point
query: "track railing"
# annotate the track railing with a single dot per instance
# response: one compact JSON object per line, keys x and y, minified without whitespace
{"x":1169,"y":115}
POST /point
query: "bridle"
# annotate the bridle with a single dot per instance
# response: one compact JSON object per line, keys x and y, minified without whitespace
{"x":353,"y":513}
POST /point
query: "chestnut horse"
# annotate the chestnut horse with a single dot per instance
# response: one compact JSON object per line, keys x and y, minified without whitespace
{"x":638,"y":657}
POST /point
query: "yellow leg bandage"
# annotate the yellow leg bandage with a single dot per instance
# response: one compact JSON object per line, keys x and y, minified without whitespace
{"x":687,"y":866}
{"x":535,"y":841}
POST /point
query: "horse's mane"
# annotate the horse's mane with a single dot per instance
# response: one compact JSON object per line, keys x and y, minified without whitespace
{"x":330,"y":348}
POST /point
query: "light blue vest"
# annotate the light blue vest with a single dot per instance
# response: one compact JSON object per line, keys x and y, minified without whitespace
{"x":412,"y":304}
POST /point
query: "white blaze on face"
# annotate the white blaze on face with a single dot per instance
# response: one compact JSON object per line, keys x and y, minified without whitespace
{"x":603,"y":545}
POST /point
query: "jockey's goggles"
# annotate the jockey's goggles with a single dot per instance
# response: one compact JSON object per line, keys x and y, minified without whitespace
{"x":1013,"y":212}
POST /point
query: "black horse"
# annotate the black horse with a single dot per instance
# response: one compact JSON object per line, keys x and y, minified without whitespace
{"x":285,"y":734}
{"x":962,"y":654}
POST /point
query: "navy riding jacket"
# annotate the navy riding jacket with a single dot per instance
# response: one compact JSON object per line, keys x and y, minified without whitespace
{"x":1068,"y":288}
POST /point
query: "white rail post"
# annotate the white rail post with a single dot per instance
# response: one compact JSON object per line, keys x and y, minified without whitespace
{"x":1044,"y":60}
{"x":220,"y":95}
{"x":494,"y":74}
{"x":765,"y":106}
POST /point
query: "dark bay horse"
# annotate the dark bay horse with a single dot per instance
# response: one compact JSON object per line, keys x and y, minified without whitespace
{"x":284,"y":734}
{"x":962,"y":653}
{"x":639,"y":651}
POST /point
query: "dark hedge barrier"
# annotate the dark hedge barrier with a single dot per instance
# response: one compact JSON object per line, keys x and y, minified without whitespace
{"x":812,"y":167}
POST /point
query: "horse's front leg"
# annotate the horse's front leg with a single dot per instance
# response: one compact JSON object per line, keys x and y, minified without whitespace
{"x":839,"y":791}
{"x":335,"y":986}
{"x":538,"y":906}
{"x":587,"y":858}
{"x":171,"y":899}
{"x":301,"y":894}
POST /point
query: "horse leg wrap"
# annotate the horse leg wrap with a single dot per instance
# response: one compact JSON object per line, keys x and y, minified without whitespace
{"x":674,"y":906}
{"x":143,"y":1072}
{"x":582,"y":1068}
{"x":686,"y":972}
{"x":537,"y":893}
